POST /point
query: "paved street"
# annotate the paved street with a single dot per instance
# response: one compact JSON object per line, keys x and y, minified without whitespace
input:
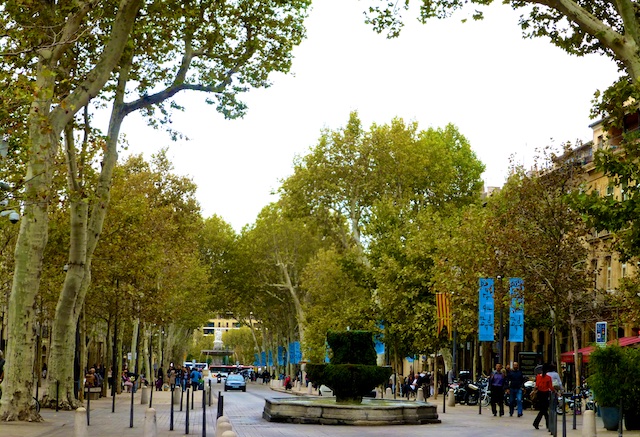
{"x":245,"y":413}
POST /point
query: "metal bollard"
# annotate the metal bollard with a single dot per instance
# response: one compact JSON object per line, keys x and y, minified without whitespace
{"x":576,"y":399}
{"x":204,"y":413}
{"x":131,"y":410}
{"x":171,"y":414}
{"x":113,"y":395}
{"x":564,"y":417}
{"x":57,"y":395}
{"x":88,"y":407}
{"x":553,"y":414}
{"x":186,"y":423}
{"x":444,"y":400}
{"x":209,"y":392}
{"x":193,"y":393}
{"x":181,"y":396}
{"x":151,"y":398}
{"x":220,"y":405}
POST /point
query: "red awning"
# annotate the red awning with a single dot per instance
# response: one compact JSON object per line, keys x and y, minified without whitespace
{"x":567,"y":357}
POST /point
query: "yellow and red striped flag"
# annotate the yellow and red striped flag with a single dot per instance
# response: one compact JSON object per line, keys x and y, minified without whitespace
{"x":443,"y":312}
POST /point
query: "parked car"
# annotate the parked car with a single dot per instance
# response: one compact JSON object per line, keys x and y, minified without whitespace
{"x":235,"y":381}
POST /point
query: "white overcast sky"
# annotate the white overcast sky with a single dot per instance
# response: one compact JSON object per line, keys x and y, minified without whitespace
{"x":507,"y":95}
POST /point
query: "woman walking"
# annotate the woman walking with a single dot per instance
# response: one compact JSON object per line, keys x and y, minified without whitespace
{"x":544,"y":386}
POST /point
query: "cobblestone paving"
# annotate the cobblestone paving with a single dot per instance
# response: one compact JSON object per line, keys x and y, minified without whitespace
{"x":245,"y":413}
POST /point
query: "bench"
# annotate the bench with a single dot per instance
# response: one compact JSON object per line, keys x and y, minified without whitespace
{"x":93,"y":392}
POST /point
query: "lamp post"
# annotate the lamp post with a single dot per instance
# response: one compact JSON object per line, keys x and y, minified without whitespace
{"x":500,"y":329}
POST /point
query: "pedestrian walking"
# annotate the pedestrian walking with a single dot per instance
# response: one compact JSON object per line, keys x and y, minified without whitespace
{"x":544,"y":388}
{"x":515,"y":385}
{"x":497,"y":386}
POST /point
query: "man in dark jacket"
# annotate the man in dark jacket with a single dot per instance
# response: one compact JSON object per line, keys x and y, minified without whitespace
{"x":515,"y":385}
{"x":497,"y":387}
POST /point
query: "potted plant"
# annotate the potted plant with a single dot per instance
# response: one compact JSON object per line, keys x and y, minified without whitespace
{"x":609,"y":376}
{"x":631,"y":407}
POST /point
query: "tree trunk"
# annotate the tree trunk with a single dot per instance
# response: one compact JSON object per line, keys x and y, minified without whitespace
{"x":64,"y":323}
{"x":292,"y":289}
{"x":147,"y":356}
{"x":45,"y":125}
{"x":133,"y":365}
{"x":85,"y":232}
{"x":32,"y":239}
{"x":83,"y":356}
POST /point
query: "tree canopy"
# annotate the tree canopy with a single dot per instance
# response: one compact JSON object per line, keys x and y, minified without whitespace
{"x":607,"y":28}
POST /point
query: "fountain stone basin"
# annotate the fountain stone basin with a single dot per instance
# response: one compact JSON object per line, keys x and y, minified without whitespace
{"x":325,"y":411}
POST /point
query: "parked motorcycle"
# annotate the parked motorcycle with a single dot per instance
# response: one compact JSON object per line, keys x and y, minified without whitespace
{"x":465,"y":391}
{"x":574,"y":403}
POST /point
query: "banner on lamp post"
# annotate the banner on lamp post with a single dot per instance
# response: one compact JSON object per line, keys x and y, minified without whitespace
{"x":486,"y":310}
{"x":516,"y":310}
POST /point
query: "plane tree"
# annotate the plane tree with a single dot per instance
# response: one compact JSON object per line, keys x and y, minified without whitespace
{"x":279,"y":249}
{"x":407,"y":223}
{"x":36,"y":44}
{"x":148,"y":271}
{"x":221,"y":48}
{"x":538,"y":234}
{"x":375,"y":183}
{"x":579,"y":27}
{"x":338,"y":289}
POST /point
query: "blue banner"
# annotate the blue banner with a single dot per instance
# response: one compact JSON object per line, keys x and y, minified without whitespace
{"x":281,"y":355}
{"x":292,"y":353}
{"x":297,"y":353}
{"x":256,"y":360}
{"x":516,"y":310}
{"x":263,"y":358}
{"x":378,"y":340}
{"x":270,"y":359}
{"x":485,"y":310}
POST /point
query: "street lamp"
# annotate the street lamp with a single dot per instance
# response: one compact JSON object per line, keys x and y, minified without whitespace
{"x":501,"y":329}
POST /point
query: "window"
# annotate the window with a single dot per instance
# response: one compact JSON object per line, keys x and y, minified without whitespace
{"x":600,"y":142}
{"x":608,"y":277}
{"x":609,"y":190}
{"x":623,"y":270}
{"x":624,"y":191}
{"x":594,"y":269}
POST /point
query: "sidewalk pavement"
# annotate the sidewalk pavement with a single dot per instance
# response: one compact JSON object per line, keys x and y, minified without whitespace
{"x":104,"y":423}
{"x":245,"y":416}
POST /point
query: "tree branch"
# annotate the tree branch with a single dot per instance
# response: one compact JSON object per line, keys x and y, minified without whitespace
{"x":98,"y":76}
{"x":623,"y":47}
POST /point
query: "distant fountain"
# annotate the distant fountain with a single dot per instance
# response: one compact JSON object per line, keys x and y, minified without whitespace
{"x":353,"y":372}
{"x":352,"y":375}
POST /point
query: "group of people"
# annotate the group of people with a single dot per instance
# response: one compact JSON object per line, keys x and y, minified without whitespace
{"x":510,"y":382}
{"x":182,"y":377}
{"x":410,"y":384}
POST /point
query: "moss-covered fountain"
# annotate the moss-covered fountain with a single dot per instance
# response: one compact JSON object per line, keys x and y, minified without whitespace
{"x":352,"y":375}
